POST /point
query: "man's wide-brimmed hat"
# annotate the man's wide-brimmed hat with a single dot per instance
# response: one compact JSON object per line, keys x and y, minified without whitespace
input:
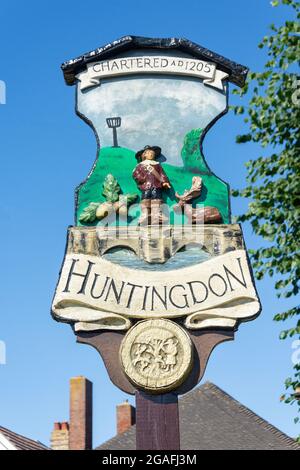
{"x":156,"y":150}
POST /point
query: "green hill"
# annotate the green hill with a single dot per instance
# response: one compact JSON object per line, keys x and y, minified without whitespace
{"x":120,"y":162}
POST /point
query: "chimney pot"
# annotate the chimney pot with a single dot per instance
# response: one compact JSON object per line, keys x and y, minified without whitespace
{"x":65,"y":426}
{"x":60,"y":437}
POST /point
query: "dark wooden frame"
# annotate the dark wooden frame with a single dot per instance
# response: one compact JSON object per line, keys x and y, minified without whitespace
{"x":157,"y":416}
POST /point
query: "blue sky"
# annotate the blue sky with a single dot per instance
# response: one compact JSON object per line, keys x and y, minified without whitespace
{"x":46,"y":151}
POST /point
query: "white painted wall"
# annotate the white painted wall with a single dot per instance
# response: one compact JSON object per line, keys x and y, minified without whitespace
{"x":5,"y":444}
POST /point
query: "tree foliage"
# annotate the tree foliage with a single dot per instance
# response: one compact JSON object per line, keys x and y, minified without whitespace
{"x":273,"y":118}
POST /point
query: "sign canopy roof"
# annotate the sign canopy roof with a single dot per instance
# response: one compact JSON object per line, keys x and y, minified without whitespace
{"x":237,"y":73}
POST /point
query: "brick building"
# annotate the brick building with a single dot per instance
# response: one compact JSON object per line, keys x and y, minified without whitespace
{"x":209,"y":419}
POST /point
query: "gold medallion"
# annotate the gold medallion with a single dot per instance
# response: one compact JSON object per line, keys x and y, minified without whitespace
{"x":156,"y":355}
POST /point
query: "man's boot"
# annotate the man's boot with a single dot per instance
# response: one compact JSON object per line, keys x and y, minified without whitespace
{"x":145,"y":212}
{"x":157,"y":217}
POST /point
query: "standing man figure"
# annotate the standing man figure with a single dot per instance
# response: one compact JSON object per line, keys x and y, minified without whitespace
{"x":151,"y":180}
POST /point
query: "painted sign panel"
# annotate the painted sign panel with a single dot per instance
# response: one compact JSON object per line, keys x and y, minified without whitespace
{"x":95,"y":291}
{"x":171,"y":111}
{"x":153,"y":252}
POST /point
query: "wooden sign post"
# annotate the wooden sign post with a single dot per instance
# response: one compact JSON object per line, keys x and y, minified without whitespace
{"x":157,"y":421}
{"x":155,"y":275}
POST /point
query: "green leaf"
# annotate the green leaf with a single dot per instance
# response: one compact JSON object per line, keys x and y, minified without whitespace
{"x":88,"y":214}
{"x":111,"y":188}
{"x":128,"y":198}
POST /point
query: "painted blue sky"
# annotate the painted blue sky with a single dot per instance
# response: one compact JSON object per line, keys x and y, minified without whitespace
{"x":46,"y":151}
{"x":149,"y":104}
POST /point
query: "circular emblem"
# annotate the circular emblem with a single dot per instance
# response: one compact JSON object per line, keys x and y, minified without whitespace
{"x":156,"y":355}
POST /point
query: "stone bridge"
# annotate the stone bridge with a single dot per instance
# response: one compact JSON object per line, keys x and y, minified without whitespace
{"x":155,"y":244}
